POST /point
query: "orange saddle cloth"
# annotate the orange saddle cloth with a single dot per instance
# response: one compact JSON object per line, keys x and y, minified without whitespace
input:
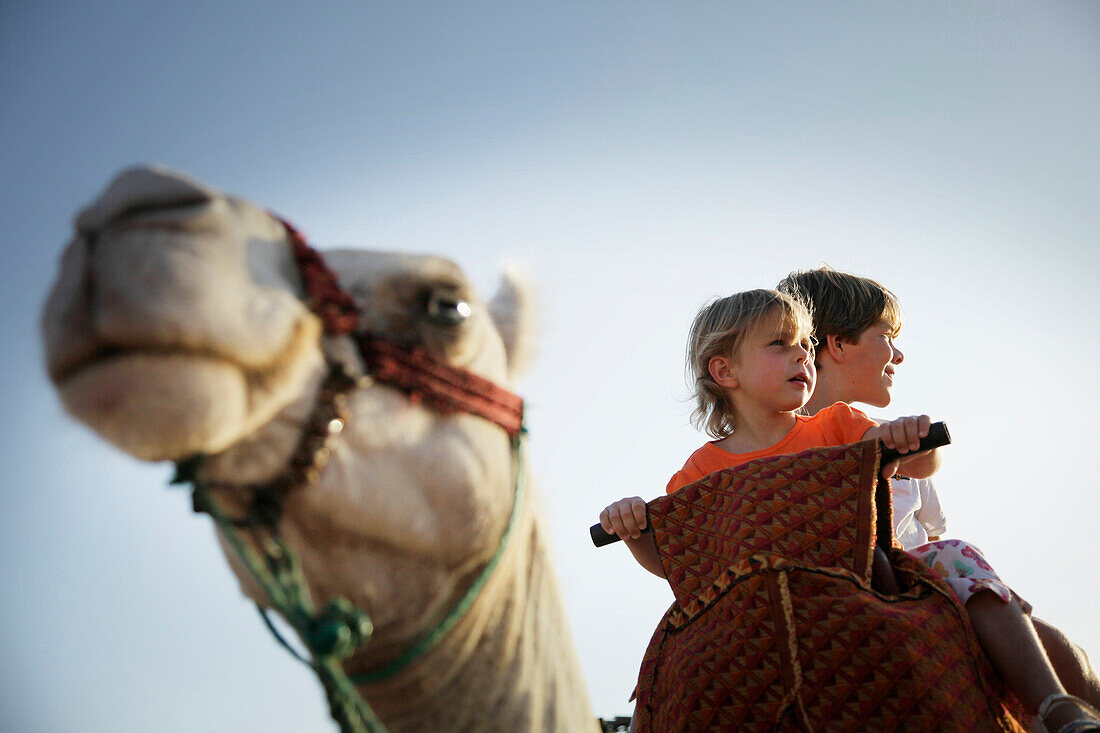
{"x":776,"y":626}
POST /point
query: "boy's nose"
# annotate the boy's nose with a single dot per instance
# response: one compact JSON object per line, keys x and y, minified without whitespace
{"x":898,"y":356}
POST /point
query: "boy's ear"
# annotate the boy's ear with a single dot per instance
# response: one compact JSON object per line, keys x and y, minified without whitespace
{"x":834,"y":347}
{"x":722,"y":371}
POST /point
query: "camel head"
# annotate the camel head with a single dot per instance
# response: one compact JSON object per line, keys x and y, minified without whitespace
{"x":177,"y":327}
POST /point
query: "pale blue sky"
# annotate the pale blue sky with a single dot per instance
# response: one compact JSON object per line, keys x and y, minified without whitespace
{"x":639,"y":157}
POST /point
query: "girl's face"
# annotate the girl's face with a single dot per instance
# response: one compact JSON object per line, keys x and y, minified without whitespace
{"x":775,"y":367}
{"x":869,"y":365}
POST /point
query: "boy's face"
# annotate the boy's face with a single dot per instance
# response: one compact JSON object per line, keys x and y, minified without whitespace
{"x":868,"y":366}
{"x":774,"y":367}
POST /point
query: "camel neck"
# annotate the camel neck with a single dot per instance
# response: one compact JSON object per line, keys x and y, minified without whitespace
{"x":509,"y":658}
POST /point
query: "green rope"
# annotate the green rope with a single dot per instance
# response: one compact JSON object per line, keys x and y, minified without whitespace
{"x":330,"y":635}
{"x":335,"y":632}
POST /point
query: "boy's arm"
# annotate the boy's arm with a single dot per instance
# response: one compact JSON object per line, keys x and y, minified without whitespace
{"x":903,"y":435}
{"x":931,"y":513}
{"x":626,"y":518}
{"x":922,"y":465}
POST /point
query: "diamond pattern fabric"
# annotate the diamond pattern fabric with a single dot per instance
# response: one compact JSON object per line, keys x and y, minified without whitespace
{"x":776,"y":626}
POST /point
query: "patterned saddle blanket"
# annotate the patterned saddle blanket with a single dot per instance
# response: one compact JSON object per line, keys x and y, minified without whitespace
{"x":776,"y":625}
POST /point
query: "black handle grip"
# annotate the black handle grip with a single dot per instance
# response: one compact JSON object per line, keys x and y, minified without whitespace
{"x":600,"y":537}
{"x":937,"y":438}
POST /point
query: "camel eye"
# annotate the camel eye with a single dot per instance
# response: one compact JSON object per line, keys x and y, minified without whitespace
{"x":447,"y":309}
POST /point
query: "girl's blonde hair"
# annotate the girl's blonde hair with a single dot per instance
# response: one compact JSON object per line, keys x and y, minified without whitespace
{"x":719,"y":329}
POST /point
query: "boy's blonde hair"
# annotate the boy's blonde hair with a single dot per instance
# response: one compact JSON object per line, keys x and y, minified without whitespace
{"x":719,"y":329}
{"x":843,"y":305}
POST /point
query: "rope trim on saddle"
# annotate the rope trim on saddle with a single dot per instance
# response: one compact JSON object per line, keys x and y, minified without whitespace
{"x":333,"y":633}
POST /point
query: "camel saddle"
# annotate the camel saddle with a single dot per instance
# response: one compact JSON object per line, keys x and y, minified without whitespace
{"x":777,"y":623}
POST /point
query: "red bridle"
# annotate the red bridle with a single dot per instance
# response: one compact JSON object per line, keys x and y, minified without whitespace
{"x":415,"y":370}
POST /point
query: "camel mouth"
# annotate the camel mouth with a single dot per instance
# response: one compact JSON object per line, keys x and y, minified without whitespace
{"x":97,"y":352}
{"x":165,"y":401}
{"x":104,"y":354}
{"x":65,"y":372}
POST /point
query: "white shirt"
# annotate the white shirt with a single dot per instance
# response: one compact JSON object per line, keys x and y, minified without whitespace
{"x":917,"y":512}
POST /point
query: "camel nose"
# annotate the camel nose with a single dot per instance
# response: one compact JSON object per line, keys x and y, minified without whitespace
{"x":136,"y":190}
{"x":145,"y":237}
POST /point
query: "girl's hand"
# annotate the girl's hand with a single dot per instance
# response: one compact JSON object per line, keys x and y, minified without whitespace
{"x":626,"y":518}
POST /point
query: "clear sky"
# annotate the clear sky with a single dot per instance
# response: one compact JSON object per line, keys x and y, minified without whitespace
{"x":639,"y":157}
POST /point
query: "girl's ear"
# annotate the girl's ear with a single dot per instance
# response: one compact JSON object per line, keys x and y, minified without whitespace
{"x":722,"y":371}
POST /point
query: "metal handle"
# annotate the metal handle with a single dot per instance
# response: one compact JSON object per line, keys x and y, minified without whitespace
{"x":937,"y":437}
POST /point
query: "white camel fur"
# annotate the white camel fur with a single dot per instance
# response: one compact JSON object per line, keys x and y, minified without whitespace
{"x":176,"y":327}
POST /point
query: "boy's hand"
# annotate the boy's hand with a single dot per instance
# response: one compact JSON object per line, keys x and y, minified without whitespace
{"x":903,"y":435}
{"x":626,"y":518}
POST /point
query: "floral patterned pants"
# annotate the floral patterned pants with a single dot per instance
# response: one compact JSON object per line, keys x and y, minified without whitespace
{"x":964,"y":568}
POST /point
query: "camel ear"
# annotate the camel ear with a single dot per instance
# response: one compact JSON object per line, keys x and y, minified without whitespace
{"x":513,"y":310}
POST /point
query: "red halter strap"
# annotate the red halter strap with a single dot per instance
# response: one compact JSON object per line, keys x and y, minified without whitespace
{"x":447,"y":389}
{"x":332,"y":305}
{"x":417,"y":371}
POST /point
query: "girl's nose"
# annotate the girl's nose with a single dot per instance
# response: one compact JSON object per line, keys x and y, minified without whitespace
{"x":898,"y":356}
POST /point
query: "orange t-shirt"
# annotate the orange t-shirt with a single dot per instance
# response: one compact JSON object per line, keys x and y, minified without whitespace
{"x":838,"y":424}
